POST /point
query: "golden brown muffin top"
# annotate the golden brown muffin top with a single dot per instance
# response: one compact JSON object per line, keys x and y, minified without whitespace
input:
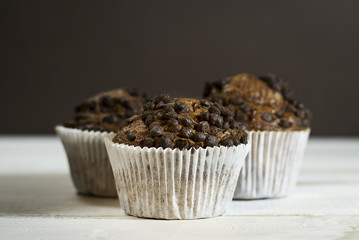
{"x":182,"y":123}
{"x":106,"y":111}
{"x":262,"y":103}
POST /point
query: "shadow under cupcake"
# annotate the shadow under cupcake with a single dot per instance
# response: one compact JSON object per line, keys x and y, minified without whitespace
{"x":179,"y":159}
{"x":83,"y":139}
{"x":278,"y":129}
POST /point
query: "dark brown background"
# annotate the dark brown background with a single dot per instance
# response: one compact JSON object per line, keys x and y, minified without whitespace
{"x":56,"y":53}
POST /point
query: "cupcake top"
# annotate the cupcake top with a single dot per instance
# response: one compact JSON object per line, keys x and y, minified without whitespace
{"x":262,"y":103}
{"x":106,"y":111}
{"x":182,"y":123}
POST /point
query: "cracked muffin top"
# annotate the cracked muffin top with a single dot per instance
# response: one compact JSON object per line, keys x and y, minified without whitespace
{"x":263,"y":103}
{"x":106,"y":111}
{"x":182,"y":123}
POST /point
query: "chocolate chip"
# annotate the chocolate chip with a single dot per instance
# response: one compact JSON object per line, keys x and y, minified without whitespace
{"x":236,"y":140}
{"x":156,"y":131}
{"x":92,"y":105}
{"x":303,"y":123}
{"x":204,"y":116}
{"x":149,"y":106}
{"x":107,"y":101}
{"x":133,"y":92}
{"x":169,"y":115}
{"x":241,"y":126}
{"x":245,"y":107}
{"x":244,"y":138}
{"x":299,"y":113}
{"x":211,"y":141}
{"x":308,"y":114}
{"x":168,"y":135}
{"x":125,"y":102}
{"x":181,"y":144}
{"x":280,"y":113}
{"x":145,"y":115}
{"x":168,"y":108}
{"x":284,"y":124}
{"x":165,"y":142}
{"x":78,"y":108}
{"x":223,"y":110}
{"x":306,"y":122}
{"x":299,"y":105}
{"x":205,"y":103}
{"x":159,"y":105}
{"x":80,"y":117}
{"x":185,"y":121}
{"x":110,"y":119}
{"x":160,"y":98}
{"x":213,"y":130}
{"x":149,"y":120}
{"x":172,"y":122}
{"x":153,"y":124}
{"x":214,"y":109}
{"x":233,"y":124}
{"x":214,"y":118}
{"x":219,"y":122}
{"x":228,"y":141}
{"x":173,"y":125}
{"x":160,"y":115}
{"x":241,"y":117}
{"x":199,"y":137}
{"x":268,"y":117}
{"x":180,"y":107}
{"x":173,"y":129}
{"x":218,"y":99}
{"x":131,"y":135}
{"x":203,"y":127}
{"x":148,"y":142}
{"x":167,"y":100}
{"x":290,"y":108}
{"x":195,"y":146}
{"x":129,"y":113}
{"x":186,"y":132}
{"x":226,"y":126}
{"x":128,"y":121}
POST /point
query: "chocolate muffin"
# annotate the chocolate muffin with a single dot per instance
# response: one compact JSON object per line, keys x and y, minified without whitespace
{"x":179,"y":159}
{"x":83,"y":139}
{"x":278,"y":130}
{"x":262,"y":103}
{"x":182,"y":123}
{"x":106,"y":111}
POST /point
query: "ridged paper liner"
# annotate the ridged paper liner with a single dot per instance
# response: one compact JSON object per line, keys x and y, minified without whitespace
{"x":89,"y":164}
{"x":272,"y":166}
{"x":175,"y":184}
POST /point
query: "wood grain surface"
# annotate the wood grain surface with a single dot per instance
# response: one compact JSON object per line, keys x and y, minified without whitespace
{"x":38,"y":201}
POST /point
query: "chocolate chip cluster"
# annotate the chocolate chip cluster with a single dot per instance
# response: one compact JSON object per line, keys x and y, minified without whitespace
{"x":182,"y":123}
{"x":106,"y":111}
{"x":262,"y":103}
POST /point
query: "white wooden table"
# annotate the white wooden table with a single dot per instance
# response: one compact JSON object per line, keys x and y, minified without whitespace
{"x":38,"y":201}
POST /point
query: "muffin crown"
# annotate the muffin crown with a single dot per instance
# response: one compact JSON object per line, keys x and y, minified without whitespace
{"x":107,"y":110}
{"x":182,"y":123}
{"x":262,"y":103}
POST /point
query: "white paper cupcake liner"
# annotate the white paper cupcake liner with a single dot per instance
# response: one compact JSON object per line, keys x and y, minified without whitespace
{"x":175,"y":184}
{"x":272,"y":166}
{"x":90,"y":167}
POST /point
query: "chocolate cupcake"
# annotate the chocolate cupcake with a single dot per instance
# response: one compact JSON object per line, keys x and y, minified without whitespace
{"x":179,"y":159}
{"x":278,"y":129}
{"x":82,"y":137}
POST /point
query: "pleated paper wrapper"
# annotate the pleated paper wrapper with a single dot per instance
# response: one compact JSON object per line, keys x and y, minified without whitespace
{"x":90,"y":167}
{"x":272,"y":166}
{"x":175,"y":184}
